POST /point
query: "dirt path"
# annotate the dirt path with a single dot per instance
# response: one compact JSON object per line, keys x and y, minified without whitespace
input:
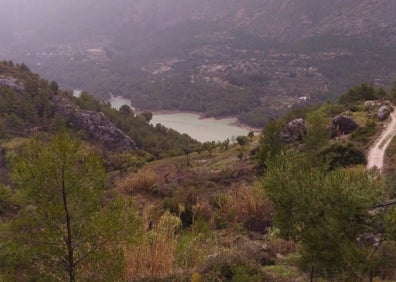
{"x":375,"y":157}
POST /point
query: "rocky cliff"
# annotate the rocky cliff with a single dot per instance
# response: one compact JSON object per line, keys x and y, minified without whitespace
{"x":12,"y":82}
{"x":95,"y":124}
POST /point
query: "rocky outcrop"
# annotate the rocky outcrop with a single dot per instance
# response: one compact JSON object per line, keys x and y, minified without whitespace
{"x":11,"y":82}
{"x":96,"y":124}
{"x":294,"y":131}
{"x":370,"y":104}
{"x":383,"y":112}
{"x":344,"y":125}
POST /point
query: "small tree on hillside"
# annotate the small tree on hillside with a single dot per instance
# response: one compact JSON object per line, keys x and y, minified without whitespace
{"x":125,"y":109}
{"x":242,"y":140}
{"x":327,"y":212}
{"x":359,"y":93}
{"x":187,"y":151}
{"x":147,"y":115}
{"x":54,"y":87}
{"x":226,"y":144}
{"x":209,"y":146}
{"x":318,"y":134}
{"x":67,"y":229}
{"x":271,"y":143}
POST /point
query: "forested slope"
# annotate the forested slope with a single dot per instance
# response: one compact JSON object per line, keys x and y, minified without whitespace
{"x":252,"y":59}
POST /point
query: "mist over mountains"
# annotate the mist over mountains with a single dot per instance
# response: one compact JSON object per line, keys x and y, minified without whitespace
{"x":253,"y":49}
{"x":280,"y":19}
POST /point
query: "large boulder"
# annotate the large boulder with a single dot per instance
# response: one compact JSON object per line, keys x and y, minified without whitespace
{"x":96,"y":125}
{"x":383,"y":112}
{"x":345,"y":125}
{"x":294,"y":131}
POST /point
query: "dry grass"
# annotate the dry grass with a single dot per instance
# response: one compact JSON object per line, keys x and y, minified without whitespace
{"x":280,"y":246}
{"x":155,"y":255}
{"x":144,"y":181}
{"x":249,"y":206}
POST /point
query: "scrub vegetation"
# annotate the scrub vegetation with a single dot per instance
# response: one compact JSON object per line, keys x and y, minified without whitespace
{"x":173,"y":209}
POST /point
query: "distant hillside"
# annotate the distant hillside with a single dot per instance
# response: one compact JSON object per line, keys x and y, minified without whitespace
{"x":281,"y":19}
{"x":32,"y":105}
{"x":252,"y":58}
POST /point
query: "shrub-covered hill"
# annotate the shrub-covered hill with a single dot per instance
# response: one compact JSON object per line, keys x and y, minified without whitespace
{"x":294,"y":204}
{"x":29,"y":104}
{"x":272,"y":209}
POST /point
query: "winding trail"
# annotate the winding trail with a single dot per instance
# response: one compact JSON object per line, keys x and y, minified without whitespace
{"x":375,"y":157}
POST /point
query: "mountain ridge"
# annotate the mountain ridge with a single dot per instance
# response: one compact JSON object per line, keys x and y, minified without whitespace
{"x":251,"y":59}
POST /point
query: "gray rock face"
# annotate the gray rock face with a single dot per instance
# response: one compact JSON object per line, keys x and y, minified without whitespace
{"x":383,"y":113}
{"x":294,"y":131}
{"x":344,"y":125}
{"x":11,"y":82}
{"x":96,"y":124}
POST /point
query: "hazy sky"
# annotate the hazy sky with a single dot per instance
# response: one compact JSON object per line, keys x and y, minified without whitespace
{"x":57,"y":18}
{"x":46,"y":17}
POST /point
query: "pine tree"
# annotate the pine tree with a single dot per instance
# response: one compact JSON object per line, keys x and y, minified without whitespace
{"x":68,"y":229}
{"x":327,"y":212}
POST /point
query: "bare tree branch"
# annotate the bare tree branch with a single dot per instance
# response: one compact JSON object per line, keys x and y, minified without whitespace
{"x":384,"y":205}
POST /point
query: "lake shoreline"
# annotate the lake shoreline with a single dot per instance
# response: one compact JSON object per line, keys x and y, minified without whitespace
{"x":200,"y":127}
{"x":203,"y":116}
{"x":196,"y":124}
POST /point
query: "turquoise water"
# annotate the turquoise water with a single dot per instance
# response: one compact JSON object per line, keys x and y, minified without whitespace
{"x":208,"y":129}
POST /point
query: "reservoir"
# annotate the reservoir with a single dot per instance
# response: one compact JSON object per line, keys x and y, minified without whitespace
{"x":201,"y":129}
{"x":206,"y":129}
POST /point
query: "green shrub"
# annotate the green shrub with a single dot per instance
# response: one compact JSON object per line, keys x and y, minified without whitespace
{"x":359,"y":93}
{"x":243,"y":273}
{"x":356,"y":108}
{"x":342,"y":155}
{"x":281,"y":273}
{"x":332,"y":109}
{"x":363,"y":134}
{"x":5,"y":199}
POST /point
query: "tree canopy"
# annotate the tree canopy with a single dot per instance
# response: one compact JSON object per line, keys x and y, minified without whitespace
{"x":68,"y":226}
{"x":327,"y":212}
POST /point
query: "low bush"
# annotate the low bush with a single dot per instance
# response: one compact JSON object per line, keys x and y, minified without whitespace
{"x":144,"y":181}
{"x":244,"y":205}
{"x":359,"y":93}
{"x":155,"y":255}
{"x":342,"y":155}
{"x":363,"y":134}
